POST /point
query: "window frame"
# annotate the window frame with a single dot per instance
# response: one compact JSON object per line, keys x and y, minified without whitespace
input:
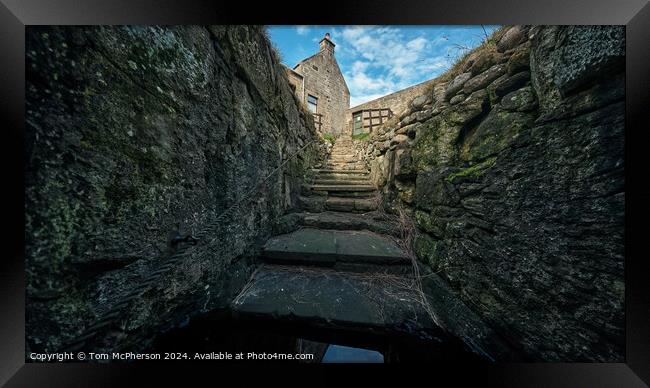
{"x":314,"y":103}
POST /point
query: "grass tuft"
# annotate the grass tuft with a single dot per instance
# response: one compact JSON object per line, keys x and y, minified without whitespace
{"x":329,"y":137}
{"x":361,"y":137}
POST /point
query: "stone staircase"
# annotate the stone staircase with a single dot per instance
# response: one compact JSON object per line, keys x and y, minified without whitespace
{"x":325,"y":276}
{"x":340,"y":267}
{"x":343,"y":185}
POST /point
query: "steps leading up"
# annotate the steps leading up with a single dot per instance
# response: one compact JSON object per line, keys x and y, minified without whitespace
{"x":340,"y":269}
{"x":330,"y":247}
{"x":343,"y":185}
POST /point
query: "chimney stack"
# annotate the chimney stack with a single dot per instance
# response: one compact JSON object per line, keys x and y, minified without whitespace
{"x":326,"y":44}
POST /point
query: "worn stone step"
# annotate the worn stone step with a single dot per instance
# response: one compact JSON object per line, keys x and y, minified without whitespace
{"x":344,"y":163}
{"x":336,"y":300}
{"x":340,"y":187}
{"x":349,"y":180}
{"x":321,"y":197}
{"x":329,"y":247}
{"x":346,"y":166}
{"x":350,"y":204}
{"x":353,"y":178}
{"x":352,"y":194}
{"x":364,"y":172}
{"x":344,"y":158}
{"x":373,"y":221}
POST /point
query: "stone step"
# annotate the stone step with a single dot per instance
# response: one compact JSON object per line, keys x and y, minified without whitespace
{"x":352,"y":194}
{"x":364,"y":172}
{"x":358,"y":205}
{"x":336,"y":300}
{"x":309,"y":191}
{"x":361,"y":177}
{"x":342,"y":181}
{"x":332,"y":247}
{"x":323,"y":195}
{"x":348,"y":166}
{"x":373,"y":222}
{"x":340,"y":187}
{"x":341,"y":161}
{"x":313,"y":204}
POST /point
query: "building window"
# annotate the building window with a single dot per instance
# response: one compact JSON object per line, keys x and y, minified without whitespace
{"x":358,"y":123}
{"x":312,"y":103}
{"x":315,"y":67}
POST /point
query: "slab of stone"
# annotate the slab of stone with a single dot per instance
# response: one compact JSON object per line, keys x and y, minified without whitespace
{"x":337,"y":171}
{"x":348,"y":221}
{"x":340,"y":187}
{"x":326,"y":247}
{"x":350,"y":204}
{"x":351,"y":180}
{"x":334,"y":299}
{"x":312,"y":203}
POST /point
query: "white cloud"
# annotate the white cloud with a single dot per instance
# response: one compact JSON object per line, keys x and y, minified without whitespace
{"x":379,"y":60}
{"x":389,"y":61}
{"x":417,"y":44}
{"x":302,"y":30}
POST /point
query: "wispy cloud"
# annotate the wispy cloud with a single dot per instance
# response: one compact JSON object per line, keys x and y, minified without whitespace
{"x":302,"y":30}
{"x":386,"y":60}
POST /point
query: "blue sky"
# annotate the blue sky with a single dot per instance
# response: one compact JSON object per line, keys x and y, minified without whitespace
{"x":380,"y":60}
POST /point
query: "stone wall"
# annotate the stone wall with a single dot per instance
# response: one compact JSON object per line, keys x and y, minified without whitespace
{"x":323,"y":79}
{"x":512,"y":166}
{"x":131,"y":130}
{"x":297,"y":83}
{"x":397,"y":102}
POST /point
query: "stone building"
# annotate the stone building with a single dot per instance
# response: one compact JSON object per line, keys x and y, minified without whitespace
{"x":365,"y":117}
{"x":319,"y":84}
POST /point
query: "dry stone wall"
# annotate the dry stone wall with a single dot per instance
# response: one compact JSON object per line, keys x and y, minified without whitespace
{"x":512,"y":167}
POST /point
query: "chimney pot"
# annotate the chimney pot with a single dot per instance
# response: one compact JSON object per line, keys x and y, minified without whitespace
{"x":326,"y":44}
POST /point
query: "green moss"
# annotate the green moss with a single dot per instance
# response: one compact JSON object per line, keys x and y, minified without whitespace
{"x":329,"y":137}
{"x":497,"y":132}
{"x":473,"y":171}
{"x":424,"y":221}
{"x":426,"y":249}
{"x":425,"y":154}
{"x":361,"y":136}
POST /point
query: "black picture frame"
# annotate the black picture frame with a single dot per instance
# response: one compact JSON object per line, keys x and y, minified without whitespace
{"x":16,"y":14}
